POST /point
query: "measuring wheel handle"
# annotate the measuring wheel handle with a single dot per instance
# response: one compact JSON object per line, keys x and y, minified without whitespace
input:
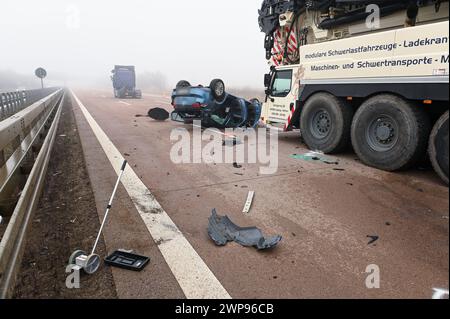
{"x":124,"y":165}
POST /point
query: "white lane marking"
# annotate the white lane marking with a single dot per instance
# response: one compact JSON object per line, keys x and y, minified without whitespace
{"x":440,"y":294}
{"x":122,"y":102}
{"x":194,"y":277}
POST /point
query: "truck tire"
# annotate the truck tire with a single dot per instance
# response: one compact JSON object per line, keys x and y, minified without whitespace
{"x":439,"y":147}
{"x":390,"y":133}
{"x":138,"y":94}
{"x":183,"y":84}
{"x":217,"y":87}
{"x":325,"y":123}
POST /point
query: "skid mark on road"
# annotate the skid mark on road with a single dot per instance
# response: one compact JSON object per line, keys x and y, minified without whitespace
{"x":194,"y":277}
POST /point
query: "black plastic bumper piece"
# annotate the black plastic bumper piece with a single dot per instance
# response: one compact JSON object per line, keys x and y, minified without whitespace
{"x":222,"y":230}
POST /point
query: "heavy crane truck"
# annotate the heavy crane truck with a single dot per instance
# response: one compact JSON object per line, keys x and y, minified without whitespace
{"x":371,"y":74}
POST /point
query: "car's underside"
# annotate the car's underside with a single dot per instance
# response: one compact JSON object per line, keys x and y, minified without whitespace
{"x":213,"y":107}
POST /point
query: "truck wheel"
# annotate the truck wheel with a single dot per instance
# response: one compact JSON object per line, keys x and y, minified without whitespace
{"x":438,"y":150}
{"x":389,"y":133}
{"x":325,"y":123}
{"x":138,"y":94}
{"x":218,"y":90}
{"x":183,"y":84}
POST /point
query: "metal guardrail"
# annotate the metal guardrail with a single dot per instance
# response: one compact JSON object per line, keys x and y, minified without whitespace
{"x":31,"y":131}
{"x":13,"y":102}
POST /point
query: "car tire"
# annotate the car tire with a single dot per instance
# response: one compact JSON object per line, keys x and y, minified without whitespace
{"x":325,"y":123}
{"x":390,"y":133}
{"x":183,"y":84}
{"x":217,"y":87}
{"x":255,"y":100}
{"x":439,"y":147}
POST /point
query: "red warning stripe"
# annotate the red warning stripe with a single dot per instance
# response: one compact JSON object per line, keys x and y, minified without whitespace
{"x":288,"y":123}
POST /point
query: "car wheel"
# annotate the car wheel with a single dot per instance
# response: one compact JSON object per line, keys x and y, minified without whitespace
{"x":255,"y":101}
{"x":325,"y":123}
{"x":218,"y":90}
{"x":439,"y":148}
{"x":390,"y":133}
{"x":183,"y":84}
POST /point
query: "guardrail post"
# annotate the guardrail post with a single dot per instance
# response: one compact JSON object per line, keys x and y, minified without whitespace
{"x":7,"y":104}
{"x":14,"y":96}
{"x":2,"y":159}
{"x":2,"y":106}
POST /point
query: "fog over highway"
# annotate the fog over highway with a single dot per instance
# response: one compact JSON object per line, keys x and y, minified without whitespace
{"x":79,"y":42}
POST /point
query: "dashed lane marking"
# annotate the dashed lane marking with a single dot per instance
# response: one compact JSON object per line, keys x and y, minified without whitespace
{"x":194,"y":277}
{"x":125,"y":103}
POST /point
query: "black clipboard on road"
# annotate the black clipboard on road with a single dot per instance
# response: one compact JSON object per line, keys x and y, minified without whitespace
{"x":126,"y":260}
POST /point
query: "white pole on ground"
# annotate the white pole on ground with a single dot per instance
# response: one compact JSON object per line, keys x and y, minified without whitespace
{"x":109,"y":206}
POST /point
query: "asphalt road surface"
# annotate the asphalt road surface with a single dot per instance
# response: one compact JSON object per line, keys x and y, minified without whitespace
{"x":325,"y":213}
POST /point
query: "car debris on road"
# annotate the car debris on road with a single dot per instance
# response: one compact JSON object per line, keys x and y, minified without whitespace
{"x":158,"y":114}
{"x":222,"y":230}
{"x":249,"y":202}
{"x":236,"y":165}
{"x":373,"y":239}
{"x":315,"y":156}
{"x":232,"y":142}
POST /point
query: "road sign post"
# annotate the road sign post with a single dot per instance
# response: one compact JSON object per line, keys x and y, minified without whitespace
{"x":41,"y":73}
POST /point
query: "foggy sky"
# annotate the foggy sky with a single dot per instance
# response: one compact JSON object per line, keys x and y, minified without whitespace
{"x":79,"y":41}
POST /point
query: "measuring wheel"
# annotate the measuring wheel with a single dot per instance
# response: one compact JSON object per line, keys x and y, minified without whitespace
{"x":90,"y":264}
{"x":93,"y":263}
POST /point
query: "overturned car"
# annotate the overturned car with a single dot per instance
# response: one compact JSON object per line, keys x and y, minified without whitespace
{"x":213,"y":106}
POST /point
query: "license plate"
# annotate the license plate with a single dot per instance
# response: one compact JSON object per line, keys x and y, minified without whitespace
{"x":183,"y":91}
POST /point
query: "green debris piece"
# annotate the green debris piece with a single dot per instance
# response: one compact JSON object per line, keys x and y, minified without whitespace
{"x":314,"y":156}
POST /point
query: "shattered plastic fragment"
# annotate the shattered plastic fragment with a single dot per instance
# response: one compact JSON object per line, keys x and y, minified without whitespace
{"x":249,"y":202}
{"x":222,"y":230}
{"x":236,"y":165}
{"x":315,"y":156}
{"x":373,"y":239}
{"x":232,"y":142}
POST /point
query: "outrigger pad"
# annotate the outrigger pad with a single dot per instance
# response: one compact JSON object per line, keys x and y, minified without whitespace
{"x":222,"y":230}
{"x":159,"y":114}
